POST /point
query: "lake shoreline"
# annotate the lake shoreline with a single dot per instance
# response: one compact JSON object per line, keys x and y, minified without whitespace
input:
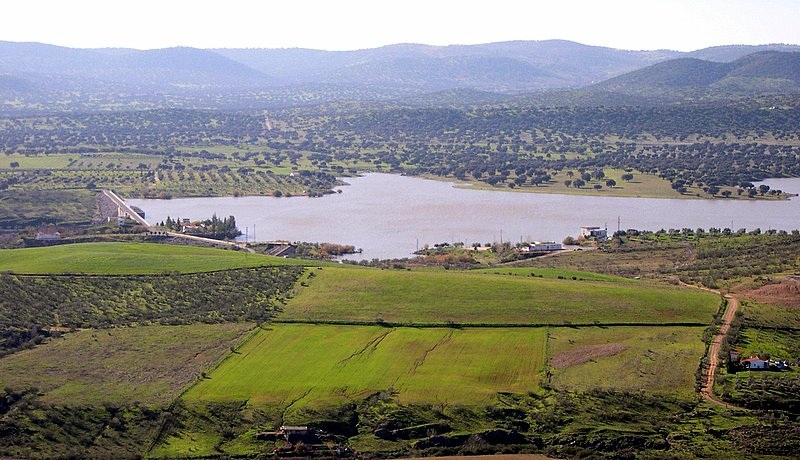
{"x":391,"y":216}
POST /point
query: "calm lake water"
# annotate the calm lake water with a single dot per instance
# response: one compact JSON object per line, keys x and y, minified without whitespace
{"x":389,"y":215}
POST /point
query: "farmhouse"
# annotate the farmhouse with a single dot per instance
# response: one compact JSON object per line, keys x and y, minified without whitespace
{"x":594,"y":232}
{"x":541,"y":246}
{"x":754,"y":362}
{"x":294,"y":434}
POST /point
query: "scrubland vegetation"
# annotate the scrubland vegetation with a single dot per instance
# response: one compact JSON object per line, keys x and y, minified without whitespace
{"x":423,"y":361}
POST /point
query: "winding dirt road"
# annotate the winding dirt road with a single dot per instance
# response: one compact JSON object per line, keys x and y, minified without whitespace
{"x":713,"y":353}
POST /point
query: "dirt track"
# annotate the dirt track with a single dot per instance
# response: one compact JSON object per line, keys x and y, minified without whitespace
{"x":713,"y":354}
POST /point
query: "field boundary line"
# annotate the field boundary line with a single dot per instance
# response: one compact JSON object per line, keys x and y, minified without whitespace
{"x":452,"y":325}
{"x":246,"y":337}
{"x":161,"y":274}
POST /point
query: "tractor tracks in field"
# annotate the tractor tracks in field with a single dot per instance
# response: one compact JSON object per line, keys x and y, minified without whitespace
{"x":293,"y":402}
{"x":419,"y":362}
{"x":370,"y":347}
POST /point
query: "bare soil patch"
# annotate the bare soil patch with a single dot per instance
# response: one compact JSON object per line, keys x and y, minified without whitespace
{"x":784,"y":293}
{"x":580,"y":355}
{"x":494,"y":457}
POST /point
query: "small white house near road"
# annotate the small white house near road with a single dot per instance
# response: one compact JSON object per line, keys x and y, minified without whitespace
{"x":545,"y":246}
{"x":754,"y":362}
{"x":594,"y":232}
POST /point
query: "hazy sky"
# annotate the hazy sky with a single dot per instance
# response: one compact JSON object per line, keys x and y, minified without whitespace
{"x":355,"y":24}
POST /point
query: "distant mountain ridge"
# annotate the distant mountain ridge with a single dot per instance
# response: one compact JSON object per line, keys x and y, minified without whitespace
{"x":503,"y":66}
{"x":154,"y":69}
{"x":763,"y":72}
{"x":39,"y":74}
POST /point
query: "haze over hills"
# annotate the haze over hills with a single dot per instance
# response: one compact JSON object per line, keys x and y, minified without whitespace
{"x":764,"y":72}
{"x":504,"y":66}
{"x":34,"y":75}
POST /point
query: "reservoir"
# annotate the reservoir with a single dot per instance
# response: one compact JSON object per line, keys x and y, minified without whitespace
{"x":389,"y":216}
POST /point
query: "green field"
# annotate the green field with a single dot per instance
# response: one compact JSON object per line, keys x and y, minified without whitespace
{"x":149,"y":365}
{"x":775,"y":344}
{"x":652,"y":359}
{"x":770,"y":316}
{"x":296,"y":366}
{"x":441,"y":297}
{"x":130,"y":259}
{"x":553,"y":273}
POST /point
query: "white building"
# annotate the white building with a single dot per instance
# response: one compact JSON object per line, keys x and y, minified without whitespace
{"x":594,"y":232}
{"x":754,"y":362}
{"x":537,"y":246}
{"x":546,"y":246}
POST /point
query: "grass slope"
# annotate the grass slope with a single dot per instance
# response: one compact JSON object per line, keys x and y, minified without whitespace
{"x":654,"y":359}
{"x":119,"y":366}
{"x":553,"y":273}
{"x":130,"y":258}
{"x":438,"y":297}
{"x":307,"y":365}
{"x":761,"y":315}
{"x":46,"y":207}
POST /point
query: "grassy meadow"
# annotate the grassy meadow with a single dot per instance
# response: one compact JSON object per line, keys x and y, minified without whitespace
{"x":758,"y":314}
{"x":150,"y":365}
{"x":294,"y":365}
{"x":130,"y":259}
{"x":651,"y":359}
{"x":440,"y":297}
{"x":553,"y":273}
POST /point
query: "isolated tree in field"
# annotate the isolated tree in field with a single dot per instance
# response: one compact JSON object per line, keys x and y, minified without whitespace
{"x":567,"y":183}
{"x":14,"y":164}
{"x":578,"y":183}
{"x":627,"y":177}
{"x":611,"y":183}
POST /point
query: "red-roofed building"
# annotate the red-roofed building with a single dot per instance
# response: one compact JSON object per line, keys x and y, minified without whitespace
{"x":754,"y":362}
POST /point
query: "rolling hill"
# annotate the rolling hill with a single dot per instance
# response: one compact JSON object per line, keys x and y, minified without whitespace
{"x":765,"y":72}
{"x":35,"y":76}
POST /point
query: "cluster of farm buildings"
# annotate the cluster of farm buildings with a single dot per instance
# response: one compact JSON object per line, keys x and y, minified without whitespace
{"x":757,"y":363}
